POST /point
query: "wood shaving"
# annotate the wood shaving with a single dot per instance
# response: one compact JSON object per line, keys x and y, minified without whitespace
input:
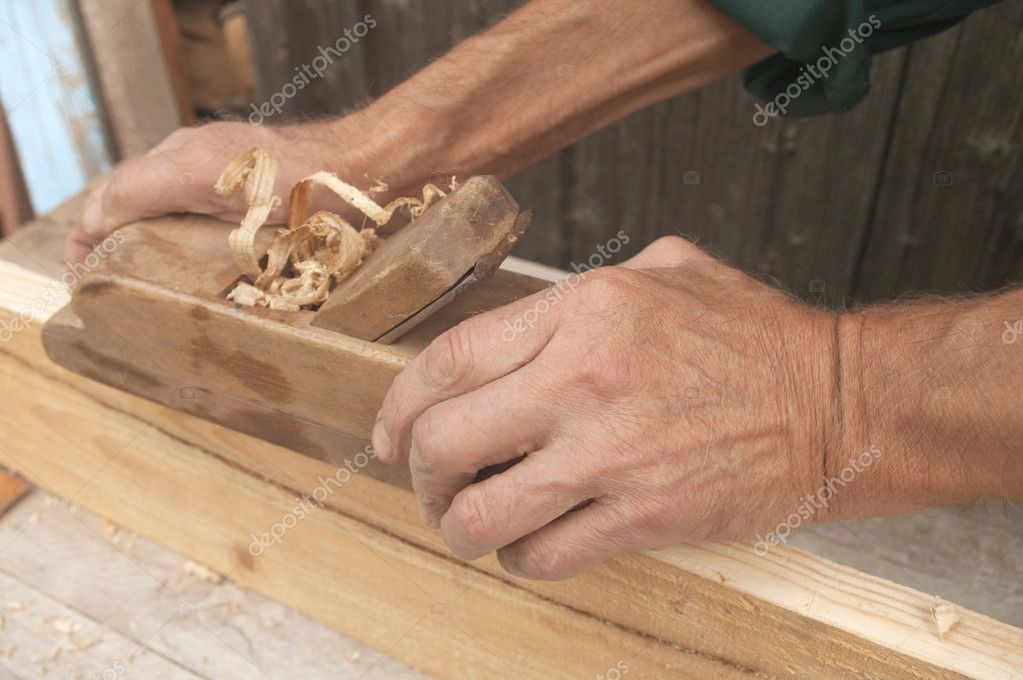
{"x":315,"y":252}
{"x":944,"y":616}
{"x":191,"y":568}
{"x":64,"y":626}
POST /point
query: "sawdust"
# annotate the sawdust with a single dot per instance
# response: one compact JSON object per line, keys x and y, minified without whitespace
{"x":314,"y":252}
{"x":190,"y":568}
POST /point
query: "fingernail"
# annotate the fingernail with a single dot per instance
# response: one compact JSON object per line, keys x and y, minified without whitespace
{"x":381,"y":442}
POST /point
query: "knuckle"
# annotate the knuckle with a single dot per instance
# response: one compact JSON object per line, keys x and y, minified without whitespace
{"x":673,"y":247}
{"x":638,"y":518}
{"x":427,"y":444}
{"x":473,"y":517}
{"x":538,"y":560}
{"x":606,"y":288}
{"x":449,"y":358}
{"x":603,"y":372}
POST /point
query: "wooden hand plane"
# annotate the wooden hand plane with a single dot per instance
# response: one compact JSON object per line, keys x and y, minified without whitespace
{"x":153,"y":319}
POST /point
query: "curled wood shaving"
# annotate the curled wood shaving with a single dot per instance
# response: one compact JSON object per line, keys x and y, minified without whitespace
{"x":315,"y":251}
{"x":255,"y":171}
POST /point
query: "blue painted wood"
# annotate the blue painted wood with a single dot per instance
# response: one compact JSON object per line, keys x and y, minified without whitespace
{"x":51,"y":109}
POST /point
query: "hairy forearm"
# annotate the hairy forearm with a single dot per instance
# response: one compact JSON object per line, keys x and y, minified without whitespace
{"x":934,"y":388}
{"x":547,"y":75}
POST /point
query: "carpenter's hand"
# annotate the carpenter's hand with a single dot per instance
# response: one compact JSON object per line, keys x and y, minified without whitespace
{"x":669,"y":399}
{"x":179,"y":173}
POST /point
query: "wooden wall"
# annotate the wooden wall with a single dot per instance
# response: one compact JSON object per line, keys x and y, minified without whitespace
{"x":851,"y":207}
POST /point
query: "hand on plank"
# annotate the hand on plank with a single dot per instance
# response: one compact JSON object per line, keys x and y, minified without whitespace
{"x":669,"y":399}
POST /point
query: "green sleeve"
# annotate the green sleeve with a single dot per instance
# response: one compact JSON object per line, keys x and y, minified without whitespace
{"x":825,"y":46}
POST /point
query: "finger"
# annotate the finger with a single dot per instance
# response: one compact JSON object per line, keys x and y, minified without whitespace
{"x":502,"y":509}
{"x":570,"y":545}
{"x":146,"y":187}
{"x":669,"y":251}
{"x":77,"y":247}
{"x":470,"y":355}
{"x":455,"y":439}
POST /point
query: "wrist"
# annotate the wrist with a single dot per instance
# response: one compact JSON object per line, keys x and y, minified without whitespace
{"x":911,"y":395}
{"x":391,"y":141}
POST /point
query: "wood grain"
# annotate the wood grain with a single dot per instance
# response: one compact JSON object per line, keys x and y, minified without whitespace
{"x":949,"y":215}
{"x":122,"y":600}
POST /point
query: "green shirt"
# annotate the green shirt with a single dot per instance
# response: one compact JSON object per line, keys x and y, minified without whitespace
{"x":826,"y":45}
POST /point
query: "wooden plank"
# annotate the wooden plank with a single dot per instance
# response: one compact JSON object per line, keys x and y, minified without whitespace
{"x":708,"y":610}
{"x":146,"y":465}
{"x":138,"y":69}
{"x":15,"y":208}
{"x":969,"y":555}
{"x":949,"y":209}
{"x":141,"y":603}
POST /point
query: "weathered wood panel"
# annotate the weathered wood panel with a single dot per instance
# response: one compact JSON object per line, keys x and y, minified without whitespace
{"x":950,"y":206}
{"x":834,"y":208}
{"x":54,"y":119}
{"x":136,"y":59}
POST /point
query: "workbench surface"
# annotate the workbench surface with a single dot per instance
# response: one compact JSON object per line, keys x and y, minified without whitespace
{"x":79,"y":595}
